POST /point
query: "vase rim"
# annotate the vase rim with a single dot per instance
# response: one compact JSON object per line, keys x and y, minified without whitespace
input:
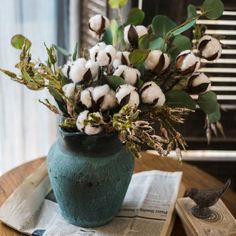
{"x":78,"y":133}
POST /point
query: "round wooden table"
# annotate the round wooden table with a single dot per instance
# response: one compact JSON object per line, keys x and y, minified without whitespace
{"x":192,"y":177}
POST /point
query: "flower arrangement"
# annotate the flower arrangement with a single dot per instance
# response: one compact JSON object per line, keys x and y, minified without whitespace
{"x":136,"y":81}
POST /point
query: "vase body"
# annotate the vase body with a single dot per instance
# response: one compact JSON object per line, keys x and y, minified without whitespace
{"x":89,"y":176}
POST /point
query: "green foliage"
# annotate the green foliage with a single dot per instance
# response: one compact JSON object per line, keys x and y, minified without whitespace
{"x":179,"y":98}
{"x":135,"y":16}
{"x":18,"y":40}
{"x":76,"y":51}
{"x":107,"y":36}
{"x":161,"y":25}
{"x":158,"y":43}
{"x":183,"y":27}
{"x":61,"y":50}
{"x":179,"y":44}
{"x":117,"y":3}
{"x":192,"y":11}
{"x":212,"y":9}
{"x":208,"y":103}
{"x":110,"y":36}
{"x":138,"y":56}
{"x":114,"y":81}
{"x":143,"y":42}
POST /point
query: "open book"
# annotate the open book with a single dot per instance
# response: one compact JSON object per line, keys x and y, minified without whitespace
{"x":148,"y":207}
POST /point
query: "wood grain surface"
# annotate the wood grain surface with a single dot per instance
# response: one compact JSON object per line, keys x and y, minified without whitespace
{"x":192,"y":177}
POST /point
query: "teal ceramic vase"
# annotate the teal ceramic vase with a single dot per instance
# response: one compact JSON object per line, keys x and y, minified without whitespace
{"x":89,"y":176}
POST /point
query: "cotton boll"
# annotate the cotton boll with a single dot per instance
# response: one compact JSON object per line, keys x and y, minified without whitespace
{"x":69,"y":90}
{"x":100,"y":91}
{"x":129,"y":74}
{"x":108,"y":101}
{"x":80,"y":120}
{"x":93,"y":66}
{"x":111,"y":51}
{"x":187,"y":62}
{"x":198,"y":83}
{"x":122,"y":58}
{"x":77,"y":72}
{"x":157,"y":61}
{"x":95,"y":49}
{"x":209,"y":48}
{"x":127,"y":94}
{"x":86,"y":97}
{"x":88,"y":128}
{"x":141,"y":30}
{"x":167,"y":62}
{"x":104,"y":97}
{"x":133,"y":33}
{"x":152,"y":94}
{"x":66,"y":69}
{"x":103,"y":58}
{"x":98,"y":24}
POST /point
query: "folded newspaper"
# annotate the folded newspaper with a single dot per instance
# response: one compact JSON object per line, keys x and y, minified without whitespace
{"x":148,"y":207}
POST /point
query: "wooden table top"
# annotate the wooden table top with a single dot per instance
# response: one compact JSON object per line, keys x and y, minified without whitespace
{"x":192,"y":177}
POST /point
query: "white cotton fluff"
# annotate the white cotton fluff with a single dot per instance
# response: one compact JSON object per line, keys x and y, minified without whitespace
{"x":77,"y":72}
{"x":88,"y":129}
{"x":152,"y":94}
{"x":185,"y":60}
{"x":105,"y":96}
{"x":140,"y":31}
{"x":196,"y":80}
{"x":100,"y":91}
{"x":127,"y":94}
{"x":106,"y":56}
{"x":66,"y":69}
{"x":80,"y":120}
{"x":209,"y":48}
{"x":96,"y":24}
{"x":152,"y":59}
{"x":69,"y":90}
{"x":86,"y":97}
{"x":93,"y":66}
{"x":95,"y":49}
{"x":121,"y":58}
{"x":129,"y":74}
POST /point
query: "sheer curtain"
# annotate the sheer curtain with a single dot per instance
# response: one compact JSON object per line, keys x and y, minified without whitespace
{"x":27,"y":129}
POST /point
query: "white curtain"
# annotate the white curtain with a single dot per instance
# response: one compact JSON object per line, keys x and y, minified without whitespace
{"x":27,"y":129}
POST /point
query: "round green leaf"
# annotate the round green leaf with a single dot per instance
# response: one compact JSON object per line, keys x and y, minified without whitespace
{"x":208,"y":102}
{"x":161,"y":25}
{"x":114,"y":81}
{"x":179,"y":98}
{"x":143,"y":42}
{"x":138,"y":56}
{"x":18,"y":40}
{"x":212,"y":9}
{"x":158,"y":43}
{"x":135,"y":16}
{"x":192,"y":11}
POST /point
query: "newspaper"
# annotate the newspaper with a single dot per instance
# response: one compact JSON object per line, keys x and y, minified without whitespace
{"x":147,"y":208}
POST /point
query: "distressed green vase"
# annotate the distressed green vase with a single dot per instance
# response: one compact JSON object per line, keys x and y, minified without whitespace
{"x":89,"y":176}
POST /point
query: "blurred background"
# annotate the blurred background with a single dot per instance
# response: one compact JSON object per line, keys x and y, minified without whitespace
{"x":28,"y":129}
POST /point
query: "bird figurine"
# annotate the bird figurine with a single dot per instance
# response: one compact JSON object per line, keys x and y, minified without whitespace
{"x":205,"y":198}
